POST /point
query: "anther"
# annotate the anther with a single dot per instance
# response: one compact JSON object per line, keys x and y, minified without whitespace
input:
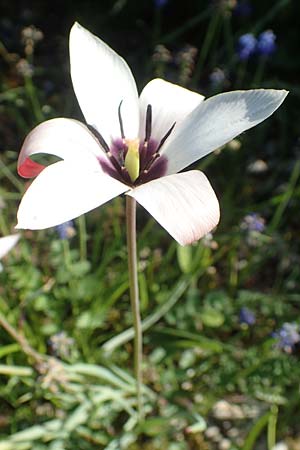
{"x":165,"y":137}
{"x":148,"y":123}
{"x":154,"y":157}
{"x":121,"y":121}
{"x":105,"y":147}
{"x":100,"y":138}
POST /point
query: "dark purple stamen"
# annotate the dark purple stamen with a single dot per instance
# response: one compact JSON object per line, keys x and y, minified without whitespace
{"x":165,"y":137}
{"x":152,"y":164}
{"x":146,"y":153}
{"x":158,"y":169}
{"x":148,"y":123}
{"x":105,"y":147}
{"x":120,"y":120}
{"x":151,"y":161}
{"x":100,"y":138}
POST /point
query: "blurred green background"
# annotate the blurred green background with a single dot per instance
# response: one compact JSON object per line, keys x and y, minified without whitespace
{"x":221,"y":317}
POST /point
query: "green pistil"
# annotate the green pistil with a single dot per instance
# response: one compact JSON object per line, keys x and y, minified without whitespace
{"x":132,"y":159}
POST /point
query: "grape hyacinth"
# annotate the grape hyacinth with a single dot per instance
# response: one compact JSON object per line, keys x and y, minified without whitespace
{"x":246,"y":46}
{"x":266,"y":43}
{"x":249,"y":45}
{"x":217,"y":77}
{"x":288,"y":337}
{"x":246,"y":316}
{"x":253,"y":222}
{"x":65,"y":230}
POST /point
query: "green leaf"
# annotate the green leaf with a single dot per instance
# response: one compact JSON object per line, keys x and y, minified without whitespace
{"x":8,"y":349}
{"x":185,"y":258}
{"x":78,"y":417}
{"x":211,"y":317}
{"x":155,"y":426}
{"x":88,"y":320}
{"x":255,"y":432}
{"x":188,"y":339}
{"x":16,"y":371}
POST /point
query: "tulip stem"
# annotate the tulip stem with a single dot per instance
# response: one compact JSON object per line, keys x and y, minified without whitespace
{"x":134,"y":298}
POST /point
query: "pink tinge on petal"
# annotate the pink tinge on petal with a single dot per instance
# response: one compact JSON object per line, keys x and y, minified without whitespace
{"x":67,"y":139}
{"x":29,"y":168}
{"x":64,"y":191}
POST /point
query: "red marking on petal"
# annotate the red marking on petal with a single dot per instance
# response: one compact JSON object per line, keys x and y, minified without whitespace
{"x":30,"y":168}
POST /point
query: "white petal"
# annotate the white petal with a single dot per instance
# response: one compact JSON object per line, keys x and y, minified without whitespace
{"x":170,"y":103}
{"x":62,"y":192}
{"x":101,"y":81}
{"x":67,"y":138}
{"x":184,"y":204}
{"x":7,"y":243}
{"x":216,"y":121}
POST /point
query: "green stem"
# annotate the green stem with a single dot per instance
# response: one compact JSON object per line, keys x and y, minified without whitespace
{"x":285,"y":198}
{"x":11,"y":176}
{"x":255,"y":432}
{"x":82,"y":237}
{"x":210,"y":34}
{"x":26,"y":347}
{"x":241,"y":72}
{"x":272,"y":427}
{"x":228,"y":36}
{"x":67,"y":254}
{"x":258,"y":76}
{"x":268,"y":18}
{"x":149,"y":321}
{"x":134,"y":298}
{"x":33,"y":98}
{"x":188,"y":25}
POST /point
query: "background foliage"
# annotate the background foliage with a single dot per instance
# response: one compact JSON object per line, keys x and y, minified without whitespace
{"x":221,"y":317}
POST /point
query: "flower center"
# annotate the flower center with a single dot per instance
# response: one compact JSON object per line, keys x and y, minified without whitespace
{"x":131,"y":160}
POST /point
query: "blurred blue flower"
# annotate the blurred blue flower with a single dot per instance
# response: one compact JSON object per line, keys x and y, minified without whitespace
{"x":247,"y":316}
{"x":217,"y":77}
{"x":65,"y":230}
{"x":266,"y":43}
{"x":243,"y":8}
{"x":160,"y":3}
{"x":246,"y":46}
{"x":288,"y":336}
{"x":253,"y":222}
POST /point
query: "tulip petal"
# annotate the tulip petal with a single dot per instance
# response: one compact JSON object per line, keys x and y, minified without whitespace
{"x":101,"y":81}
{"x":184,"y":204}
{"x":62,"y":192}
{"x":216,"y":121}
{"x":170,"y":103}
{"x":66,"y":138}
{"x":7,"y":243}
